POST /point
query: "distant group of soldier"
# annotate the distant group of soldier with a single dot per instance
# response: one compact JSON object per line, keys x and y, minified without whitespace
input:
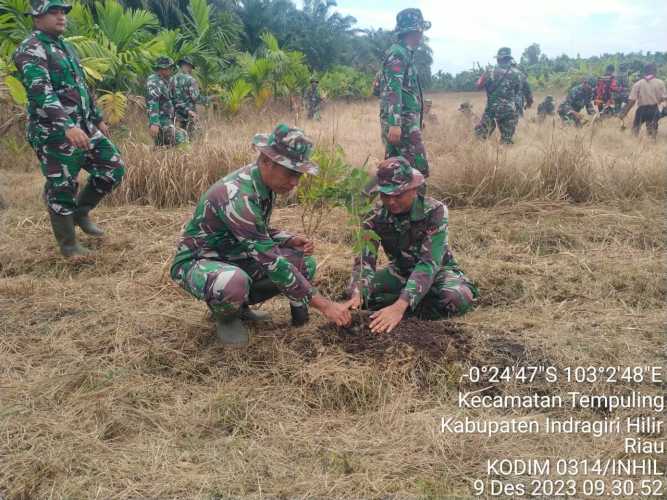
{"x":229,"y":255}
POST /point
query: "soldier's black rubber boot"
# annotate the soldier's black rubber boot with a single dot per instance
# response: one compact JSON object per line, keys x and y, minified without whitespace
{"x":87,"y":200}
{"x":262,"y":290}
{"x":63,"y":230}
{"x":300,"y":315}
{"x":230,"y":330}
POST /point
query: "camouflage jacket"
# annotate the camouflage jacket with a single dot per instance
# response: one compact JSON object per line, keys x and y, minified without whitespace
{"x":231,"y":223}
{"x":58,"y":97}
{"x":416,"y":244}
{"x":159,"y":102}
{"x":185,"y":94}
{"x":503,"y":83}
{"x":313,"y":97}
{"x":401,"y":92}
{"x":580,"y":96}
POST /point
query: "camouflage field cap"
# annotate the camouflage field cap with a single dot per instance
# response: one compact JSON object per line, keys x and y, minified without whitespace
{"x":464,"y":106}
{"x":41,"y":7}
{"x":409,"y":20}
{"x":428,"y":101}
{"x":289,"y":147}
{"x":395,"y":176}
{"x":186,"y":60}
{"x":164,"y":62}
{"x":314,"y":80}
{"x":549,"y":98}
{"x":504,"y":52}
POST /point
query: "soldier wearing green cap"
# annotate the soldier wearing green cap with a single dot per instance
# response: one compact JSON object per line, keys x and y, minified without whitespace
{"x":231,"y":257}
{"x":185,"y":94}
{"x":546,"y":108}
{"x":422,"y":277}
{"x":65,"y":127}
{"x":503,"y":84}
{"x":160,"y":106}
{"x":401,"y":99}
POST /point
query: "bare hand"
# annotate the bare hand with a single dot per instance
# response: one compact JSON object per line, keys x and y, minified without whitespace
{"x":104,"y":128}
{"x":386,"y":319}
{"x":355,"y":301}
{"x":78,"y":138}
{"x":302,"y":244}
{"x":338,"y":313}
{"x":154,"y":130}
{"x":192,"y":115}
{"x":394,"y":135}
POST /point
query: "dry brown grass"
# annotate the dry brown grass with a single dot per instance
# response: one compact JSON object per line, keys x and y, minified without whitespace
{"x":111,"y":384}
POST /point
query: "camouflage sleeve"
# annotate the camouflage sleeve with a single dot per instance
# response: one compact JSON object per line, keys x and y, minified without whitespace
{"x":153,"y":103}
{"x":365,"y":264}
{"x":244,"y":219}
{"x":195,"y":95}
{"x":32,"y":64}
{"x":526,"y":90}
{"x":280,"y":236}
{"x":395,"y":72}
{"x":434,"y":247}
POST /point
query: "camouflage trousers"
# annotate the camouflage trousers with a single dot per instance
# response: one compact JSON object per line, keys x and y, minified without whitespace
{"x":505,"y":117}
{"x":189,"y":125}
{"x":171,"y":135}
{"x":225,"y":285}
{"x":569,"y":115}
{"x":411,"y":146}
{"x":61,"y":163}
{"x":451,"y":294}
{"x":313,"y":111}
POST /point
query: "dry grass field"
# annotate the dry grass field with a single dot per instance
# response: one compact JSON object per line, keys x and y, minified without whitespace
{"x":113,"y":386}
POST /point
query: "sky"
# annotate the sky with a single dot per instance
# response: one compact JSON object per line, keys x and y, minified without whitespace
{"x":469,"y":31}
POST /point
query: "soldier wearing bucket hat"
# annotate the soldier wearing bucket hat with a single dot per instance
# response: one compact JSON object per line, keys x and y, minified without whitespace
{"x":401,"y":99}
{"x":422,"y":278}
{"x":65,"y":127}
{"x":160,"y":105}
{"x":504,"y":84}
{"x":231,"y":257}
{"x":185,"y":95}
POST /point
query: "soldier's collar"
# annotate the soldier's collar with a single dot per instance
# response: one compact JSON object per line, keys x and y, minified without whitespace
{"x":262,"y":189}
{"x":417,"y":212}
{"x":46,"y":38}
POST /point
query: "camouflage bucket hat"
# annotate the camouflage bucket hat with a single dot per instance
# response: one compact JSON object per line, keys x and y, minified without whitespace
{"x":504,"y":52}
{"x":164,"y":62}
{"x":41,"y":7}
{"x":409,"y":20}
{"x":289,"y":147}
{"x":549,"y":98}
{"x":428,"y":101}
{"x":395,"y":176}
{"x":186,"y":60}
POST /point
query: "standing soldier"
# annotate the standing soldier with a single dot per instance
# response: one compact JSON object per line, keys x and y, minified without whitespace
{"x":230,"y":256}
{"x":313,"y":100}
{"x":524,"y":99}
{"x":622,"y":92}
{"x":185,"y":93}
{"x":647,"y":93}
{"x":502,"y":84}
{"x":65,"y":128}
{"x":161,"y":112}
{"x":429,"y":116}
{"x":422,"y":276}
{"x":546,"y":108}
{"x":401,"y":103}
{"x":578,"y":97}
{"x":606,"y":89}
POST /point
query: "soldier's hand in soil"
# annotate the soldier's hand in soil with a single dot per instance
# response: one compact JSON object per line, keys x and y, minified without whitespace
{"x":104,"y":128}
{"x":302,"y":244}
{"x":333,"y":311}
{"x":154,"y":130}
{"x":394,"y":135}
{"x":77,"y":138}
{"x":355,"y":301}
{"x":386,"y":319}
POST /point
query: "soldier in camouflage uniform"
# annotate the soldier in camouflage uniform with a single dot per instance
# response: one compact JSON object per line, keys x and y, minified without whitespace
{"x":313,"y":100}
{"x":230,"y":256}
{"x":502,"y":84}
{"x":546,"y":108}
{"x":160,"y":106}
{"x":65,"y":127}
{"x":429,"y":116}
{"x":184,"y":90}
{"x":422,"y":277}
{"x":524,"y":99}
{"x":401,"y":102}
{"x":580,"y":96}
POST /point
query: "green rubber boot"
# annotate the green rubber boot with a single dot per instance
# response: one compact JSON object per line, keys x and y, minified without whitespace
{"x":230,"y":330}
{"x":63,"y":230}
{"x":87,"y":200}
